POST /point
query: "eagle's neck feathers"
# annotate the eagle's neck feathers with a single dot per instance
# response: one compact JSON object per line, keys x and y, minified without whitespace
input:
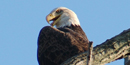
{"x":68,"y":19}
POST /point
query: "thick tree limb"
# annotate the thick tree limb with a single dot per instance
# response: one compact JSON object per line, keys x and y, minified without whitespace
{"x":127,"y":60}
{"x":112,"y":49}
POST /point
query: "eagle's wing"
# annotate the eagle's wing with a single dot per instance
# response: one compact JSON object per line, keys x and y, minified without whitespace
{"x":56,"y":46}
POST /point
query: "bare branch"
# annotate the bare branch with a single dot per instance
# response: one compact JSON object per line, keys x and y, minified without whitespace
{"x":89,"y":54}
{"x":112,"y":49}
{"x":127,"y":60}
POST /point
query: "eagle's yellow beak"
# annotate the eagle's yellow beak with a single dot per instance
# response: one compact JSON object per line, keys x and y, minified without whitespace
{"x":54,"y":18}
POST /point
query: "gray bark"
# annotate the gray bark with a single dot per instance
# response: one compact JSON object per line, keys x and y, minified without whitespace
{"x":127,"y":60}
{"x":112,"y":49}
{"x":89,"y":54}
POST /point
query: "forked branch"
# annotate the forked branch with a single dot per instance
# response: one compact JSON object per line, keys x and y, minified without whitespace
{"x":112,"y":49}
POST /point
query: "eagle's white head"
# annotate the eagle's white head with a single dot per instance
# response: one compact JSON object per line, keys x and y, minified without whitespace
{"x":62,"y":16}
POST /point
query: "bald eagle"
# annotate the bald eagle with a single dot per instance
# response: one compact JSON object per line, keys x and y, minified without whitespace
{"x":56,"y":45}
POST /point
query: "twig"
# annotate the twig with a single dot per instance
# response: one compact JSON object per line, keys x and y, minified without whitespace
{"x":89,"y":54}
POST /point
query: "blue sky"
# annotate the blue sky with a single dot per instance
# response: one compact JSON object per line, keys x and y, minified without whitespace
{"x":21,"y":21}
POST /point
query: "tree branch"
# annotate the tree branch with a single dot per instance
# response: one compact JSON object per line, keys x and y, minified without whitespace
{"x":89,"y":54}
{"x":127,"y":60}
{"x":112,"y":49}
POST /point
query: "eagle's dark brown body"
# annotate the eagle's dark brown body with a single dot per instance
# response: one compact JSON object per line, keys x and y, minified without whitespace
{"x":57,"y":45}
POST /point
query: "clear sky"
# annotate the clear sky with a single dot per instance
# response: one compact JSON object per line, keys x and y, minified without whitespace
{"x":21,"y":21}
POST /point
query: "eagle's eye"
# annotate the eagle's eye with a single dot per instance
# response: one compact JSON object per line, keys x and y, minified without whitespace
{"x":58,"y":11}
